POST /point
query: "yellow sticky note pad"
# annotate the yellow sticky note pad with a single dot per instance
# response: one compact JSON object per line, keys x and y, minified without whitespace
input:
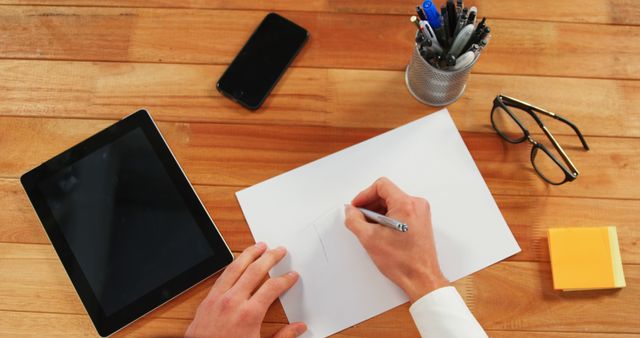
{"x":585,"y":258}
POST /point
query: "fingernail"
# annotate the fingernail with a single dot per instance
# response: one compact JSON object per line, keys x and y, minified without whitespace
{"x":293,"y":274}
{"x":281,"y":249}
{"x":261,"y":245}
{"x":347,"y":207}
{"x":301,"y":328}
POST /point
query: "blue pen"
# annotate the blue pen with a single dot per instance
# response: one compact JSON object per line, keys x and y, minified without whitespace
{"x":435,"y":21}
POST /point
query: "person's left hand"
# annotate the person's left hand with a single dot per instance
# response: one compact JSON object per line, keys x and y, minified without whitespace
{"x":238,"y":301}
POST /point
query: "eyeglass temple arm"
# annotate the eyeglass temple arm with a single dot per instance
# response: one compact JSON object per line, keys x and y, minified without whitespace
{"x":525,"y":106}
{"x":559,"y":148}
{"x":569,"y":123}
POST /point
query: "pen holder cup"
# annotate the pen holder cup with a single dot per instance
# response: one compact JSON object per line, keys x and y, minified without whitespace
{"x":433,"y":86}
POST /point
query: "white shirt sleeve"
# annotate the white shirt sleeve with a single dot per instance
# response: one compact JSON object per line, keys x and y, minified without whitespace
{"x":442,"y":314}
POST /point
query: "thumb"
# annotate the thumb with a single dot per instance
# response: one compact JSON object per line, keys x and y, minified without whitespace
{"x":291,"y":331}
{"x":355,"y":221}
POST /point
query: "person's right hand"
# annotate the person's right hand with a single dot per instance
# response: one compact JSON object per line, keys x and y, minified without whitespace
{"x":408,"y":259}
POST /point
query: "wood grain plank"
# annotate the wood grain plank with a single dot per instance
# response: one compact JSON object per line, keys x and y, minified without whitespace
{"x":528,"y":217}
{"x":520,"y":296}
{"x":547,"y":334}
{"x":322,"y":97}
{"x":40,"y":285}
{"x":240,"y":155}
{"x":583,"y":11}
{"x":28,"y":324}
{"x":16,"y":324}
{"x":337,"y":40}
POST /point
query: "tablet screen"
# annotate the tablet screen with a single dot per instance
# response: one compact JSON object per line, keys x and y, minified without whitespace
{"x":124,"y":220}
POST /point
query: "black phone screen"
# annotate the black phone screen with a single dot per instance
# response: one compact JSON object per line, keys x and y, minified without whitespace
{"x":262,"y":60}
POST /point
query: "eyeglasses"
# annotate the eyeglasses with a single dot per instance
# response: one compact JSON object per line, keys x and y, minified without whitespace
{"x":506,"y":118}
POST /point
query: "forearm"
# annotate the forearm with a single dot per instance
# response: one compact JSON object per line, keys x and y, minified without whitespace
{"x":442,"y":313}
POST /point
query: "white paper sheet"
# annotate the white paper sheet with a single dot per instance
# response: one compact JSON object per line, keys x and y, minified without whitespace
{"x":302,"y":209}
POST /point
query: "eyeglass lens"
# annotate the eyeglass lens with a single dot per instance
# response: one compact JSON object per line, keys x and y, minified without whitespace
{"x":506,"y":125}
{"x":510,"y":130}
{"x":546,"y":166}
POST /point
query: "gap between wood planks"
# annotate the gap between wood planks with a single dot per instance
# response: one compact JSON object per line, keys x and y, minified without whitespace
{"x":329,"y":11}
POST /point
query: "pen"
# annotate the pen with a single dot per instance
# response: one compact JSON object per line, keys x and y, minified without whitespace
{"x":445,"y":24}
{"x":451,"y":60}
{"x":428,"y":48}
{"x":485,"y":33}
{"x":461,"y":40}
{"x":384,"y":220}
{"x":462,"y":21}
{"x":484,"y":42}
{"x":425,"y":25}
{"x":465,"y":60}
{"x":432,"y":46}
{"x":475,"y":37}
{"x":479,"y":35}
{"x":453,"y":17}
{"x":420,"y":13}
{"x":481,"y":25}
{"x":473,"y":12}
{"x":419,"y":39}
{"x":415,"y":21}
{"x":426,"y":54}
{"x":435,"y":21}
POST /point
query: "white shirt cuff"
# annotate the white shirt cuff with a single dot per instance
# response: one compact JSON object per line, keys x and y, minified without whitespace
{"x":442,"y":313}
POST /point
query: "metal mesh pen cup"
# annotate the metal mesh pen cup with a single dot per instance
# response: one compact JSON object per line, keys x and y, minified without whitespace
{"x":433,"y":86}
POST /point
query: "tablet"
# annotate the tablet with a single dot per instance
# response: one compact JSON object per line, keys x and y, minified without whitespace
{"x":126,"y":223}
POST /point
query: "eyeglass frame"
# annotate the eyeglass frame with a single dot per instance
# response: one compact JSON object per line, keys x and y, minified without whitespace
{"x":504,"y":101}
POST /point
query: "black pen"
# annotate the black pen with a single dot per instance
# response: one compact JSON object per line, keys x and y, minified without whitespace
{"x":480,"y":34}
{"x":481,"y":24}
{"x":451,"y":60}
{"x":445,"y":23}
{"x":477,"y":34}
{"x":453,"y":17}
{"x":421,"y":13}
{"x":432,"y":47}
{"x":473,"y":11}
{"x":485,"y":32}
{"x":462,"y":21}
{"x":419,"y":39}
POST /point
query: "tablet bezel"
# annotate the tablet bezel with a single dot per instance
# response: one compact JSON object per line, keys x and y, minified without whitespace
{"x":222,"y":255}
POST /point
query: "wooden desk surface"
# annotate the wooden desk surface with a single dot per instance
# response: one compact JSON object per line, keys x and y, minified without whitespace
{"x":71,"y":67}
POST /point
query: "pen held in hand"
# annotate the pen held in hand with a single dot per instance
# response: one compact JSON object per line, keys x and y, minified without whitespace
{"x":384,"y":220}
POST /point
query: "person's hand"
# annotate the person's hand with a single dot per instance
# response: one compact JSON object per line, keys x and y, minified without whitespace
{"x":239,"y":300}
{"x":407,"y":259}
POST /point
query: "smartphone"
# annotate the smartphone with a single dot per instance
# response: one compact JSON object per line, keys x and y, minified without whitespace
{"x":262,"y":61}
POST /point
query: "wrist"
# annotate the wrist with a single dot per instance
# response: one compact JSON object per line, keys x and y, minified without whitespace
{"x":418,"y":287}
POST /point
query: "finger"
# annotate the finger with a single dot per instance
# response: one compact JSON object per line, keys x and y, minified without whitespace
{"x":292,"y":330}
{"x":233,"y":272}
{"x":379,"y":206}
{"x":257,"y":271}
{"x":356,"y":223}
{"x":274,"y":288}
{"x":382,"y":189}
